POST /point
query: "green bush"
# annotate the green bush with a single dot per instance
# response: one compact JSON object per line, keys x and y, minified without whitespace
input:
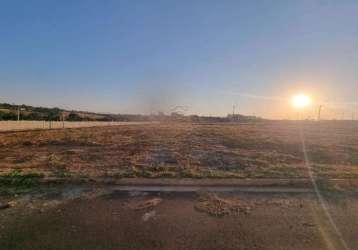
{"x":17,"y":178}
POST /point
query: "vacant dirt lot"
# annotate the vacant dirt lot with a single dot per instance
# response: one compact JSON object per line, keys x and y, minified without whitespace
{"x":268,"y":149}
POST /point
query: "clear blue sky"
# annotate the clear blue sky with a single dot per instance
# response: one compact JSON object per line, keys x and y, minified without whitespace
{"x":141,"y":56}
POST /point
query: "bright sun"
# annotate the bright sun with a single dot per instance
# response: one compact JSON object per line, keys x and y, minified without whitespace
{"x":301,"y":101}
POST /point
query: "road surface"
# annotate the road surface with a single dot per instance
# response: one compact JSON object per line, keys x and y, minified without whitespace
{"x":101,"y":217}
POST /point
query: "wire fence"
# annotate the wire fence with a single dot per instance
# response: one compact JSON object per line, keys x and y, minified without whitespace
{"x":31,"y":125}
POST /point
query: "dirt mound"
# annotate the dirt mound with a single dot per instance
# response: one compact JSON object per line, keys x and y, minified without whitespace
{"x":214,"y":205}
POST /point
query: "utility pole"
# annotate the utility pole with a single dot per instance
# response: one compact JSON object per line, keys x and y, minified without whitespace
{"x":233,"y":113}
{"x":63,"y":119}
{"x":18,"y":113}
{"x":319,"y":113}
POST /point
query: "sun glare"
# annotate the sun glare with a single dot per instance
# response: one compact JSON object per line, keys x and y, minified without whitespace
{"x":301,"y":101}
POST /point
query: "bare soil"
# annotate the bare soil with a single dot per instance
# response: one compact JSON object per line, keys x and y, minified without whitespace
{"x":82,"y":218}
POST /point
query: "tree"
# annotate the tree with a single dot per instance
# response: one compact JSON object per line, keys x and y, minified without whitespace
{"x":74,"y":117}
{"x":4,"y":116}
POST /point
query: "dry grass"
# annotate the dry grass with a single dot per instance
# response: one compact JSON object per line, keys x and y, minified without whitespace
{"x":214,"y":205}
{"x":27,"y":125}
{"x":260,"y":150}
{"x":144,"y":204}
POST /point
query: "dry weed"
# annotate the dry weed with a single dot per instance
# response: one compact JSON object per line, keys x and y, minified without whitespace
{"x":139,"y":205}
{"x":213,"y":205}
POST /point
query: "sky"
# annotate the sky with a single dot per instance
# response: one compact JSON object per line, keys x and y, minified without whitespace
{"x":141,"y":56}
